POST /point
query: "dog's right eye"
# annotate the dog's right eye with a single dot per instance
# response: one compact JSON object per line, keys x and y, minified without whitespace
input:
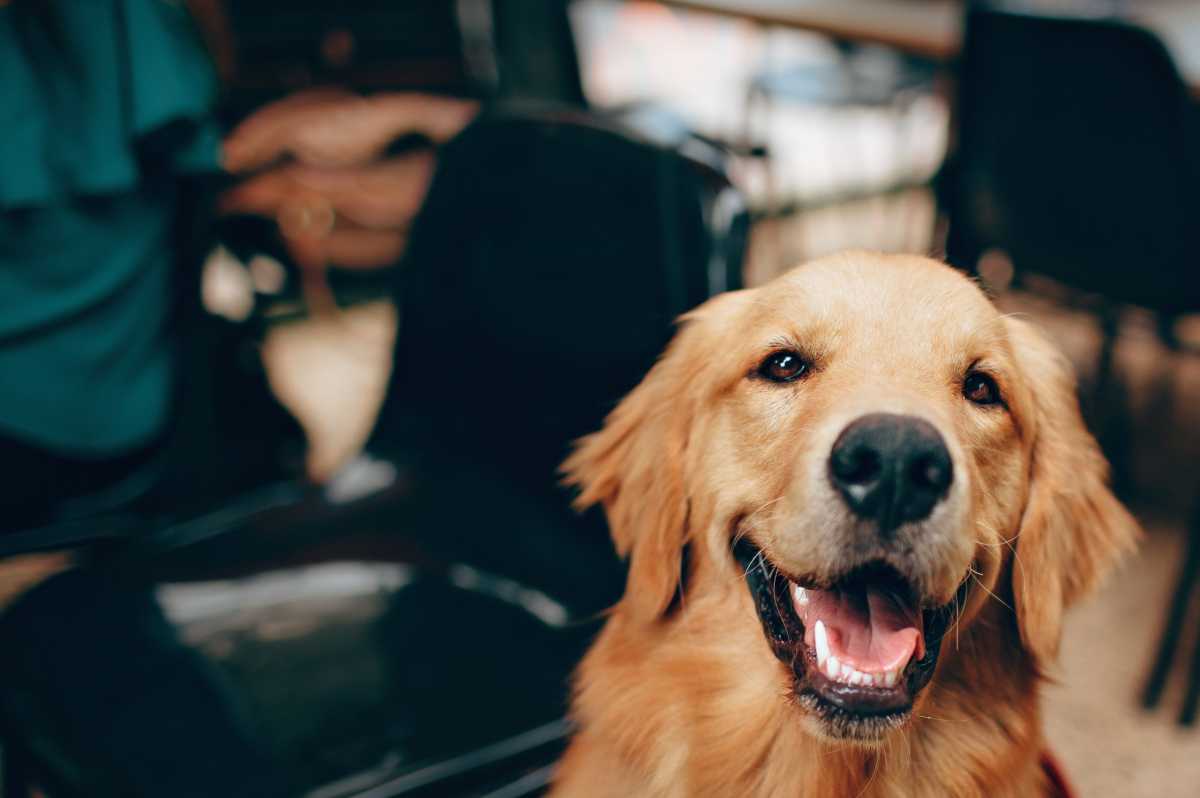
{"x":981,"y":389}
{"x":783,"y":366}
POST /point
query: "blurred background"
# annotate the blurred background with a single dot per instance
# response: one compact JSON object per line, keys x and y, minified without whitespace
{"x":306,"y":301}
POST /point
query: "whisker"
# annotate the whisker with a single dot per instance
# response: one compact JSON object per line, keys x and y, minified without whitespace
{"x":865,"y":787}
{"x":989,"y":592}
{"x":755,"y":562}
{"x":957,"y":619}
{"x":775,"y":600}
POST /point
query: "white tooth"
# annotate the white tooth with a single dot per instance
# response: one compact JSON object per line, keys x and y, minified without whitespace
{"x":869,"y":679}
{"x":889,"y":678}
{"x":832,"y":667}
{"x":801,"y":596}
{"x":846,"y":672}
{"x":822,"y":643}
{"x":856,"y":677}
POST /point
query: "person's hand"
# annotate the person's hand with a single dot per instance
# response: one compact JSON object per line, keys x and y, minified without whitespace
{"x":352,"y":216}
{"x":331,"y":128}
{"x":22,"y":573}
{"x":323,"y":177}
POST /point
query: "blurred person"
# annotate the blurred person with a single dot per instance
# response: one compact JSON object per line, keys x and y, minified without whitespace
{"x":109,"y":112}
{"x":318,"y":162}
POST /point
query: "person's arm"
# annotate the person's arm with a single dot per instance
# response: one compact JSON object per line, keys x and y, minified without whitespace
{"x":317,"y":163}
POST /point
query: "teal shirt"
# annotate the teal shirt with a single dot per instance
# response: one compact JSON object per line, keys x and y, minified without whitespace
{"x":101,"y":112}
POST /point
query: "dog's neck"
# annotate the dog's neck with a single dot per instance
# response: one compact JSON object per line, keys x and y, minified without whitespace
{"x":684,"y":709}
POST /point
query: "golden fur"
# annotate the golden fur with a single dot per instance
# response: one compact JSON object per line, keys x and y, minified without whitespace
{"x":680,"y":695}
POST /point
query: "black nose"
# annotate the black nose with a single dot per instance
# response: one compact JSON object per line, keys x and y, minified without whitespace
{"x":891,"y":468}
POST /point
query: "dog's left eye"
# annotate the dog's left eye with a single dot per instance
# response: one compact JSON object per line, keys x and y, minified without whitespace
{"x":981,"y":389}
{"x":783,"y":366}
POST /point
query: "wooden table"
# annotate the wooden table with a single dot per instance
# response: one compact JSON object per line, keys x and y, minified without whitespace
{"x":1177,"y":24}
{"x":933,"y":28}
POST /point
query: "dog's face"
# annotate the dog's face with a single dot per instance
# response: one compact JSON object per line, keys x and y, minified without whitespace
{"x":873,"y":447}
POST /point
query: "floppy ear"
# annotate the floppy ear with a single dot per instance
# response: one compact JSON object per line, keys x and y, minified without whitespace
{"x":636,"y":467}
{"x":1074,"y":530}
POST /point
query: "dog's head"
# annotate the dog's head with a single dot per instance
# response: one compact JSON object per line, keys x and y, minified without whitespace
{"x":876,"y":450}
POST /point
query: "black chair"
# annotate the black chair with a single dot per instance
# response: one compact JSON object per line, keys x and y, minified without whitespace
{"x":546,"y":268}
{"x":542,"y":278}
{"x":1077,"y":156}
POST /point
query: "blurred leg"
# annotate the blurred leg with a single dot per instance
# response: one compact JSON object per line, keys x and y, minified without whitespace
{"x":1191,"y":699}
{"x":110,"y":701}
{"x":1176,"y":616}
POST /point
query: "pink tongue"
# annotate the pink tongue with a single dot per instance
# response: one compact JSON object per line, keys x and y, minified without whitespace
{"x":870,"y":629}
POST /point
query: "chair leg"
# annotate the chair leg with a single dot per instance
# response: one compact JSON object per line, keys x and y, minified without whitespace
{"x":1110,"y":327}
{"x":1109,"y":406}
{"x":1191,"y":699}
{"x":1176,"y":616}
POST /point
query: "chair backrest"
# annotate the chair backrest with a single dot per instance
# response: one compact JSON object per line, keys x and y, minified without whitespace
{"x":1074,"y":156}
{"x":543,"y":278}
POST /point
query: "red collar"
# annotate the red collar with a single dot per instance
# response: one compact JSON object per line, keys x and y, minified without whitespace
{"x":1056,"y":777}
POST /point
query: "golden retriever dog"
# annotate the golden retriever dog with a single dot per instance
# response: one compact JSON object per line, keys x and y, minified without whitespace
{"x":855,"y":503}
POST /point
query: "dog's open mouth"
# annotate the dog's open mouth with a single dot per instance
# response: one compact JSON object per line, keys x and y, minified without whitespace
{"x":861,"y":648}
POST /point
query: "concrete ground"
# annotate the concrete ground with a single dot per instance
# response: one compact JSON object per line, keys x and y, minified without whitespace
{"x":1110,"y":747}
